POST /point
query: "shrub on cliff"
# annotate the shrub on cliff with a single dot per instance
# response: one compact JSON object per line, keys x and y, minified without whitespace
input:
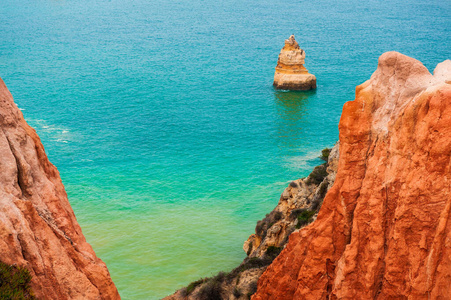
{"x":296,"y":212}
{"x":259,"y":228}
{"x":277,"y":216}
{"x":211,"y":290}
{"x":252,"y":288}
{"x":273,"y":251}
{"x":318,"y":174}
{"x":323,"y":189}
{"x":325,"y":154}
{"x":192,"y":286}
{"x":305,"y":217}
{"x":15,"y":283}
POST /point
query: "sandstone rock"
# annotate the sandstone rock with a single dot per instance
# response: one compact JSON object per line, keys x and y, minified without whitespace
{"x":300,"y":195}
{"x":270,"y":237}
{"x":290,"y":71}
{"x":384,"y":229}
{"x":231,"y":286}
{"x":38,"y":229}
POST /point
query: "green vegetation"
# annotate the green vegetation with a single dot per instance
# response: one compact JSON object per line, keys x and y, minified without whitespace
{"x":273,"y":251}
{"x":249,"y":250}
{"x":325,"y":154}
{"x":252,"y":263}
{"x":295,"y":213}
{"x":304,"y":218}
{"x":211,"y":290}
{"x":259,"y":227}
{"x":193,"y":285}
{"x":249,"y":263}
{"x":318,"y":174}
{"x":15,"y":283}
{"x":270,"y":225}
{"x":323,"y":189}
{"x":211,"y":287}
{"x":252,"y":289}
{"x":277,"y":216}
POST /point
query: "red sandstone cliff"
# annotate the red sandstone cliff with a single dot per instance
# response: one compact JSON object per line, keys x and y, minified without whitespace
{"x":384,"y":229}
{"x":38,"y":229}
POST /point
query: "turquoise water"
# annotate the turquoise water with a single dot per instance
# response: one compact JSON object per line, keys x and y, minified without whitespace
{"x":162,"y":119}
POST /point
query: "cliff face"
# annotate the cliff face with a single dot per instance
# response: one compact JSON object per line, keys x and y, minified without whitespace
{"x":298,"y":206}
{"x":290,"y":72}
{"x":38,"y":229}
{"x":384,"y":229}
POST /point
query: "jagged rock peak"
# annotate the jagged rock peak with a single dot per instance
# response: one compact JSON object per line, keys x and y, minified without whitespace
{"x":38,"y":228}
{"x":290,"y":72}
{"x":291,"y":43}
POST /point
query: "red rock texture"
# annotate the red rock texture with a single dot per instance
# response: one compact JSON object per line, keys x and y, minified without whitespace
{"x":384,"y":229}
{"x":38,"y":229}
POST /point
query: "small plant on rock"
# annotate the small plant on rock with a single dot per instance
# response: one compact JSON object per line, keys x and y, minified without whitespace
{"x":193,"y":285}
{"x":304,"y":218}
{"x":211,"y":290}
{"x":249,"y":250}
{"x":273,"y":251}
{"x":252,"y":288}
{"x":318,"y":174}
{"x":15,"y":283}
{"x":277,"y":216}
{"x":325,"y":154}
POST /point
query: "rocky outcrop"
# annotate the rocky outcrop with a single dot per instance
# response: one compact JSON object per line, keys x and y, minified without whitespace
{"x":290,"y":71}
{"x":38,"y":229}
{"x":384,"y":228}
{"x":297,"y":207}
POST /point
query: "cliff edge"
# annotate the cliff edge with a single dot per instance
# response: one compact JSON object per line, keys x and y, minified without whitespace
{"x":38,"y":229}
{"x":384,"y":228}
{"x":298,"y":206}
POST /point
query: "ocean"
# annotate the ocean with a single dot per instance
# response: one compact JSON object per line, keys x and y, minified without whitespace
{"x":163,"y":122}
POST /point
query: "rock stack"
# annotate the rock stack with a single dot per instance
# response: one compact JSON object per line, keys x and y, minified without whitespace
{"x":290,"y":71}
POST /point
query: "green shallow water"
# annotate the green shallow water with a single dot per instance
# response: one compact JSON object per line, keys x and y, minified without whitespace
{"x":163,"y":123}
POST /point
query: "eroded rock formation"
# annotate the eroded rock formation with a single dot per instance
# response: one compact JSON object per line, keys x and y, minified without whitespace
{"x":297,"y":207}
{"x":38,"y":229}
{"x":290,"y":71}
{"x":384,"y":229}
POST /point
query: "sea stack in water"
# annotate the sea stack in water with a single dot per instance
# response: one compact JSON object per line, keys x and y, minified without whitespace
{"x":290,"y":71}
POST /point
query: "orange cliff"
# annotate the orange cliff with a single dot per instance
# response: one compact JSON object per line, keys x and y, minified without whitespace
{"x":384,"y":229}
{"x":38,"y":229}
